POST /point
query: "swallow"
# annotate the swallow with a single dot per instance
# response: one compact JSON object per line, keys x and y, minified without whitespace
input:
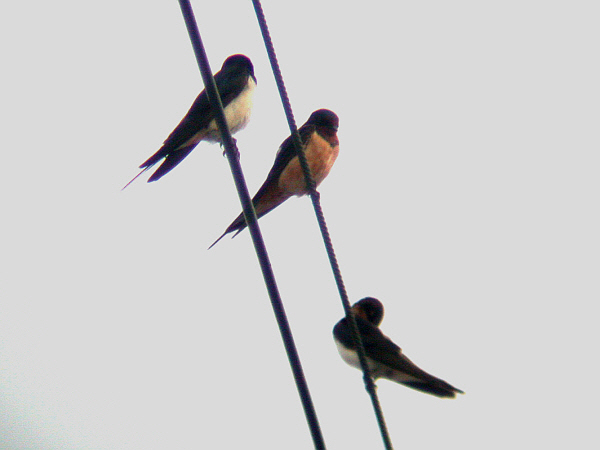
{"x":385,"y":358}
{"x":236,"y":83}
{"x":321,"y":147}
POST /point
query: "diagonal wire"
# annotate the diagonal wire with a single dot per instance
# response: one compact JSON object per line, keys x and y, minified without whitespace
{"x":250,"y":216}
{"x":315,"y":197}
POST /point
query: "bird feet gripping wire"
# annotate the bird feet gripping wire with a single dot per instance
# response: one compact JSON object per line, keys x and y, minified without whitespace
{"x":237,"y":152}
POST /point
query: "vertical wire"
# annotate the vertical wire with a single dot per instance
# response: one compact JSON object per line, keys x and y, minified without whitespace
{"x":315,"y":197}
{"x":251,"y":220}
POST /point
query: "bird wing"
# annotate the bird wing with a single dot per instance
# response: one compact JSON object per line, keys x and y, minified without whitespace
{"x":230,"y":82}
{"x":379,"y":347}
{"x":285,"y":154}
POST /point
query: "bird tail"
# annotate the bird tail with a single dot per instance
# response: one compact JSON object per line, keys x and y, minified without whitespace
{"x":171,"y":160}
{"x":433,"y":386}
{"x":135,"y":178}
{"x":237,"y":225}
{"x":263,"y":204}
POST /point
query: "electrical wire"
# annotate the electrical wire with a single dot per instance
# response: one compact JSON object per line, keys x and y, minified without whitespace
{"x":315,"y":197}
{"x":250,"y":215}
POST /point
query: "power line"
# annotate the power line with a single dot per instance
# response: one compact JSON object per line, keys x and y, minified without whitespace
{"x":315,"y":197}
{"x":250,"y":216}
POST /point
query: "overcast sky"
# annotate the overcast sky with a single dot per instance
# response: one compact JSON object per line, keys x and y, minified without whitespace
{"x":465,"y":198}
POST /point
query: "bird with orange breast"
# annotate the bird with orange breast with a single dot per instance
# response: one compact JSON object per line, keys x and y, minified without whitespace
{"x":286,"y":178}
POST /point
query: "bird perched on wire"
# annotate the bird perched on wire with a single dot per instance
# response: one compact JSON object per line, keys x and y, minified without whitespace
{"x":236,"y":83}
{"x":286,"y":178}
{"x":385,"y":359}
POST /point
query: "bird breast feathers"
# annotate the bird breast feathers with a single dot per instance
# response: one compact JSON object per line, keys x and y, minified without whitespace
{"x":320,"y":155}
{"x":237,"y":113}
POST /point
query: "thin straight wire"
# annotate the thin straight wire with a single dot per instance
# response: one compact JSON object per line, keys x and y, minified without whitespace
{"x":315,"y":197}
{"x":250,"y":216}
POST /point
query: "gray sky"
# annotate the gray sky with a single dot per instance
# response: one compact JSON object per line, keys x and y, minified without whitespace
{"x":465,"y":198}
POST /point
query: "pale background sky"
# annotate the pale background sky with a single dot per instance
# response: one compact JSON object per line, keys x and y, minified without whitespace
{"x":465,"y":197}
